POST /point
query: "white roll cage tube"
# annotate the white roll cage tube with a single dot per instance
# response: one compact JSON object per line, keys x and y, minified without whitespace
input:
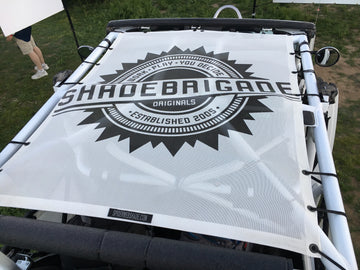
{"x":340,"y":249}
{"x":228,"y":7}
{"x":44,"y":111}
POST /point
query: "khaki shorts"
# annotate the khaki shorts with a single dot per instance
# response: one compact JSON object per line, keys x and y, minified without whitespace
{"x":26,"y":47}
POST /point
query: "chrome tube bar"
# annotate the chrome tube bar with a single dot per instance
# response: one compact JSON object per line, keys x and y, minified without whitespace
{"x":230,"y":7}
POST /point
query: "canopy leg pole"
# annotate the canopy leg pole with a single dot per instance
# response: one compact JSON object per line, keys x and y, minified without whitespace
{"x":72,"y":28}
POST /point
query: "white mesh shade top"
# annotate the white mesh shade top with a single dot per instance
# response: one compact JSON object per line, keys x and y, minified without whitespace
{"x":194,"y":131}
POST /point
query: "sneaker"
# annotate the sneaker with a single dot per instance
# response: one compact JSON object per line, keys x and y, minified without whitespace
{"x":39,"y":74}
{"x":44,"y":66}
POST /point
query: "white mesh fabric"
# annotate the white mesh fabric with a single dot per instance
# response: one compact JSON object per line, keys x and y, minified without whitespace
{"x":245,"y":186}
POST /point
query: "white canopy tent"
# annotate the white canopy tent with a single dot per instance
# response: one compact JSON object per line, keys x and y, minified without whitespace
{"x":16,"y":15}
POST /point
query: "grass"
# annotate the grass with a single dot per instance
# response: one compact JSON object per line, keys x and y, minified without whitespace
{"x":347,"y":145}
{"x":346,"y":155}
{"x":21,"y":97}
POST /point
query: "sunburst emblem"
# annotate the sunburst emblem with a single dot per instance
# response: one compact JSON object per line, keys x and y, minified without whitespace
{"x":180,"y":105}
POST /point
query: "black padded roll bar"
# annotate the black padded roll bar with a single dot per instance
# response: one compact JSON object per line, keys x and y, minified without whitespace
{"x":128,"y":249}
{"x":218,"y":24}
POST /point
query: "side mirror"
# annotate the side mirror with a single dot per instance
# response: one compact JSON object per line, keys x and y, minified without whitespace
{"x":84,"y":51}
{"x":327,"y":56}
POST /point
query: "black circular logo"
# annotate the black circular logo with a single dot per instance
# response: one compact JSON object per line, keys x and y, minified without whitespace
{"x":182,"y":97}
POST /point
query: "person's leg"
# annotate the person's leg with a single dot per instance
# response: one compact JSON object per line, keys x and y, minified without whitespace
{"x":36,"y":60}
{"x":39,"y":54}
{"x":27,"y":48}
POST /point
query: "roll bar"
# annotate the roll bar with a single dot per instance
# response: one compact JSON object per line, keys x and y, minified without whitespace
{"x":218,"y":24}
{"x":127,"y":249}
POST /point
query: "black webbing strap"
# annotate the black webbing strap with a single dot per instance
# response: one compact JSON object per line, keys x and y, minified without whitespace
{"x":297,"y":52}
{"x":310,"y":95}
{"x":313,"y":209}
{"x":17,"y":142}
{"x":304,"y":51}
{"x":108,"y":41}
{"x":319,"y":173}
{"x":303,"y":71}
{"x":108,"y":48}
{"x":316,"y":179}
{"x":91,"y":63}
{"x":71,"y":83}
{"x":100,"y":46}
{"x":303,"y":43}
{"x":22,"y":143}
{"x":315,"y":249}
{"x":304,"y":95}
{"x":308,"y":51}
